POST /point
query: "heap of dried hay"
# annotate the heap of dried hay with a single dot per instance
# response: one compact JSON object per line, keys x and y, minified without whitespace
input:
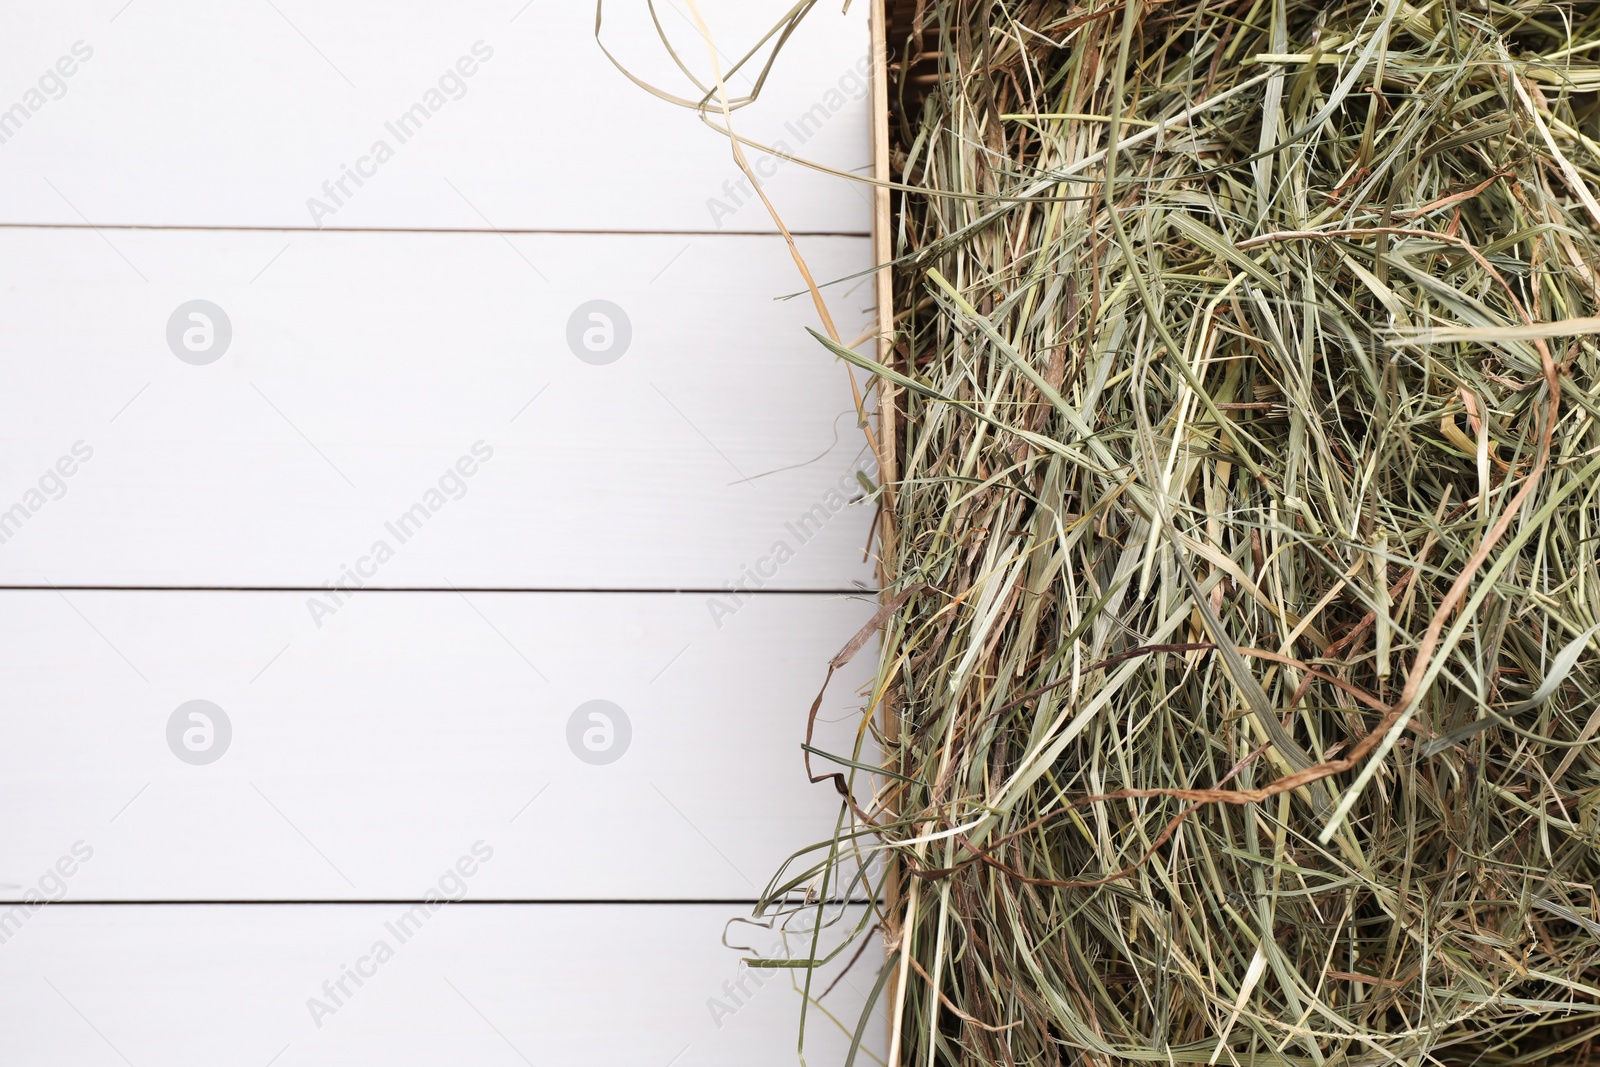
{"x":1240,"y":688}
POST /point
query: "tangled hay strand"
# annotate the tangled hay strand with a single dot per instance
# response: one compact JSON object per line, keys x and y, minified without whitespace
{"x":1241,"y":682}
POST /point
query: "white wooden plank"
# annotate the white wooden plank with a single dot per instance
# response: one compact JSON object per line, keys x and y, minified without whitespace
{"x":182,"y":112}
{"x":362,"y":368}
{"x":472,"y":985}
{"x":365,"y":754}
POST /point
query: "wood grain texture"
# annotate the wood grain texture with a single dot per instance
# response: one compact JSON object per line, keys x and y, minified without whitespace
{"x":364,"y":367}
{"x":183,"y":113}
{"x":366,"y":754}
{"x":472,"y":985}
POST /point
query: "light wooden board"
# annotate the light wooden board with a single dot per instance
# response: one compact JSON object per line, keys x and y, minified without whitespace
{"x":187,"y":113}
{"x":367,"y":754}
{"x":473,"y":986}
{"x":363,"y":367}
{"x":389,"y":336}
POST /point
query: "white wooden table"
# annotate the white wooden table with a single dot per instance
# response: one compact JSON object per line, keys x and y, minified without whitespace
{"x":423,"y":527}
